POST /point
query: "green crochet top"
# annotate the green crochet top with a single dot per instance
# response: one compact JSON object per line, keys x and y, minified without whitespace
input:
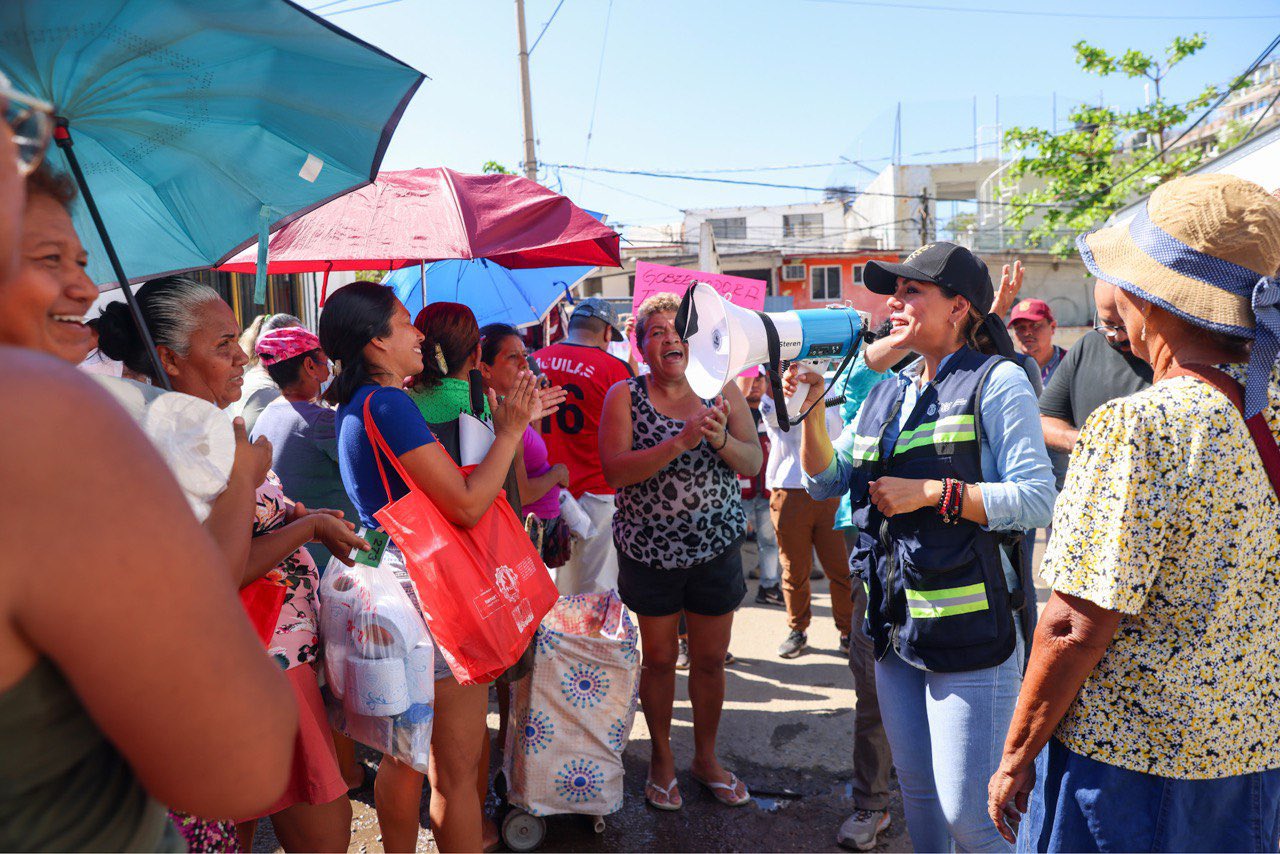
{"x":446,"y":401}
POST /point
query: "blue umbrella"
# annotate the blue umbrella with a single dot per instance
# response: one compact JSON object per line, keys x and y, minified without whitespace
{"x":200,"y":125}
{"x":496,"y":294}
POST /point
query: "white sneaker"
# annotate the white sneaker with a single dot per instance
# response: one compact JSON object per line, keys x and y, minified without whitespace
{"x":860,"y":830}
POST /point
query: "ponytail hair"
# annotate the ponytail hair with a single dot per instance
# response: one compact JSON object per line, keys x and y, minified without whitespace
{"x":452,"y":335}
{"x":986,"y":334}
{"x":170,"y":307}
{"x":352,"y":317}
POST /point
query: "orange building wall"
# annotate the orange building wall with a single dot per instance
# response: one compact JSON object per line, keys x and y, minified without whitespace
{"x":858,"y":296}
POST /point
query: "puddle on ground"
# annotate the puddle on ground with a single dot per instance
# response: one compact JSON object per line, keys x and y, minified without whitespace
{"x":767,"y":804}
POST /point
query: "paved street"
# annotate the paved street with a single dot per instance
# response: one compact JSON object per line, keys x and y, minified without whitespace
{"x":787,"y":726}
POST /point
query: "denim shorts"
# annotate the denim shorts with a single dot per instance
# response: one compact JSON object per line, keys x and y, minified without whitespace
{"x":1081,"y":804}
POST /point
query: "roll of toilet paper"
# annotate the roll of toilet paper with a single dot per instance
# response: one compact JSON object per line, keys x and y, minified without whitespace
{"x":377,"y":686}
{"x":420,"y":668}
{"x":379,"y":635}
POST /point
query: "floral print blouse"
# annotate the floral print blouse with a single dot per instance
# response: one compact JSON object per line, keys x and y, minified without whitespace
{"x":1168,"y":517}
{"x":295,"y":640}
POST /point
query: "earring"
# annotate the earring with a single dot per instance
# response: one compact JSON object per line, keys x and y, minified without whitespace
{"x":440,"y":360}
{"x":1142,"y":333}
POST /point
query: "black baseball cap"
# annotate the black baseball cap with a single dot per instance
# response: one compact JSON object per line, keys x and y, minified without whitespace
{"x":602,"y":309}
{"x":946,"y":264}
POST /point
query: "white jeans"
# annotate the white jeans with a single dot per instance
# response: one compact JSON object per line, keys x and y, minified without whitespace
{"x":593,"y":565}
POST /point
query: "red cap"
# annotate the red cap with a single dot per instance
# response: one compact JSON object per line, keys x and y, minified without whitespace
{"x":1031,"y":309}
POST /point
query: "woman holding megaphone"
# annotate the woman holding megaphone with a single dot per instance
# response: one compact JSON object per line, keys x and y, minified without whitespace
{"x":945,"y":467}
{"x":674,"y":459}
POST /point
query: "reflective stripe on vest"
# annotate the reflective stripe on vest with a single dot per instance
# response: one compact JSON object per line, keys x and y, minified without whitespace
{"x":945,"y":431}
{"x":865,"y":448}
{"x":925,"y":604}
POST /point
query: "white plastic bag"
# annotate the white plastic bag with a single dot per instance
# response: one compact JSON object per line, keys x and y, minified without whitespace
{"x":193,"y":436}
{"x":578,"y":520}
{"x":379,"y":662}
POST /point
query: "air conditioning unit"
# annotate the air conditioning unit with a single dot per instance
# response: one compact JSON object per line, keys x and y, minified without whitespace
{"x":793,"y":273}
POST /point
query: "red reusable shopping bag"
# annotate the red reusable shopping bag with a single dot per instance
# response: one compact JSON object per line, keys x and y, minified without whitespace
{"x":483,"y":590}
{"x":263,"y":601}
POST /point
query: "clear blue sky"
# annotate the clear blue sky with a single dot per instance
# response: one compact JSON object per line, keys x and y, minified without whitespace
{"x":714,"y":84}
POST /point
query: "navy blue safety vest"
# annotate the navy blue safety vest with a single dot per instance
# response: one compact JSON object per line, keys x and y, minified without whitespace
{"x":936,"y":592}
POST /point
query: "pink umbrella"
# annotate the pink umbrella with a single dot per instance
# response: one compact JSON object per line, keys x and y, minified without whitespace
{"x":424,"y":215}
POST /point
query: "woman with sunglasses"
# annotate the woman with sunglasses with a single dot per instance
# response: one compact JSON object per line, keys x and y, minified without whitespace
{"x":87,"y":763}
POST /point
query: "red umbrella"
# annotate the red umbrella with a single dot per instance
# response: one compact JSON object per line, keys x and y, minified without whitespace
{"x":424,"y":215}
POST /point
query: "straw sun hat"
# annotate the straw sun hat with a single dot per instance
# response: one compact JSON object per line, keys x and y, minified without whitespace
{"x":1206,"y":248}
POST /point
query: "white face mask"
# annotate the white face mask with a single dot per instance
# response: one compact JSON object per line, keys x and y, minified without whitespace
{"x":324,"y":386}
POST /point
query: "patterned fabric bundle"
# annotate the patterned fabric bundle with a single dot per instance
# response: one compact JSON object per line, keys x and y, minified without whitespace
{"x":571,"y":717}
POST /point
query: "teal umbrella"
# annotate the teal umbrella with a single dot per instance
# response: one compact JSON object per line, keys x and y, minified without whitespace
{"x":199,"y":125}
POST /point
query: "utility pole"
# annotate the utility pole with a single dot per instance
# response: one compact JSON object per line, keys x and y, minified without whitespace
{"x":924,"y":217}
{"x":530,"y":157}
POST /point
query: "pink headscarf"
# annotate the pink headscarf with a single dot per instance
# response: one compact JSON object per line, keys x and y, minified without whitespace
{"x":281,"y":344}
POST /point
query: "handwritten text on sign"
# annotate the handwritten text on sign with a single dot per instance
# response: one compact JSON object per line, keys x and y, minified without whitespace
{"x":657,"y":279}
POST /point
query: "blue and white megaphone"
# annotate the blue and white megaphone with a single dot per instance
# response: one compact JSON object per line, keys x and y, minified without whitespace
{"x":725,"y":339}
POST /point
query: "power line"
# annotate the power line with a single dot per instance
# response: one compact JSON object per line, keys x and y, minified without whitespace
{"x":969,"y":10}
{"x":362,"y":8}
{"x":595,"y":101}
{"x":327,"y":5}
{"x":758,"y":168}
{"x":763,"y":184}
{"x":1210,"y":110}
{"x":545,"y":26}
{"x":1261,"y":115}
{"x":625,"y":192}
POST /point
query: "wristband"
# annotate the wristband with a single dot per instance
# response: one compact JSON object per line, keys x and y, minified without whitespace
{"x":951,"y":504}
{"x":722,"y":444}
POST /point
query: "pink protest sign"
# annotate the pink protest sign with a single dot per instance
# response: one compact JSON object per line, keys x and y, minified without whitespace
{"x":655,"y":279}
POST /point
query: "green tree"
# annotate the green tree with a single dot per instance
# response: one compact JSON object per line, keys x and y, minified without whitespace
{"x":493,"y":167}
{"x":961,"y":223}
{"x":1088,"y":172}
{"x":1233,"y":133}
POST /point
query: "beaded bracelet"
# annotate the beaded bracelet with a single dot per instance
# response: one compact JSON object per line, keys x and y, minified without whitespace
{"x":951,"y":504}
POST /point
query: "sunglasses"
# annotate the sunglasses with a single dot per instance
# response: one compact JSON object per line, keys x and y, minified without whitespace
{"x":31,"y":122}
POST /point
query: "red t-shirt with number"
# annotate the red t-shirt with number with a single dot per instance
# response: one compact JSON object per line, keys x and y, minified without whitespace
{"x":572,"y":434}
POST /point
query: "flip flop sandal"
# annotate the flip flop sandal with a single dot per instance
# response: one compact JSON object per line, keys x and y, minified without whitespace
{"x":725,"y":792}
{"x":670,"y":793}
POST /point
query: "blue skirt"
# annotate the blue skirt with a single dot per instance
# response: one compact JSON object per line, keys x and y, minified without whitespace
{"x":1081,"y":804}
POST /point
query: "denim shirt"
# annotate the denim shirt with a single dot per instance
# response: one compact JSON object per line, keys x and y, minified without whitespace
{"x":855,"y":386}
{"x":1018,"y":489}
